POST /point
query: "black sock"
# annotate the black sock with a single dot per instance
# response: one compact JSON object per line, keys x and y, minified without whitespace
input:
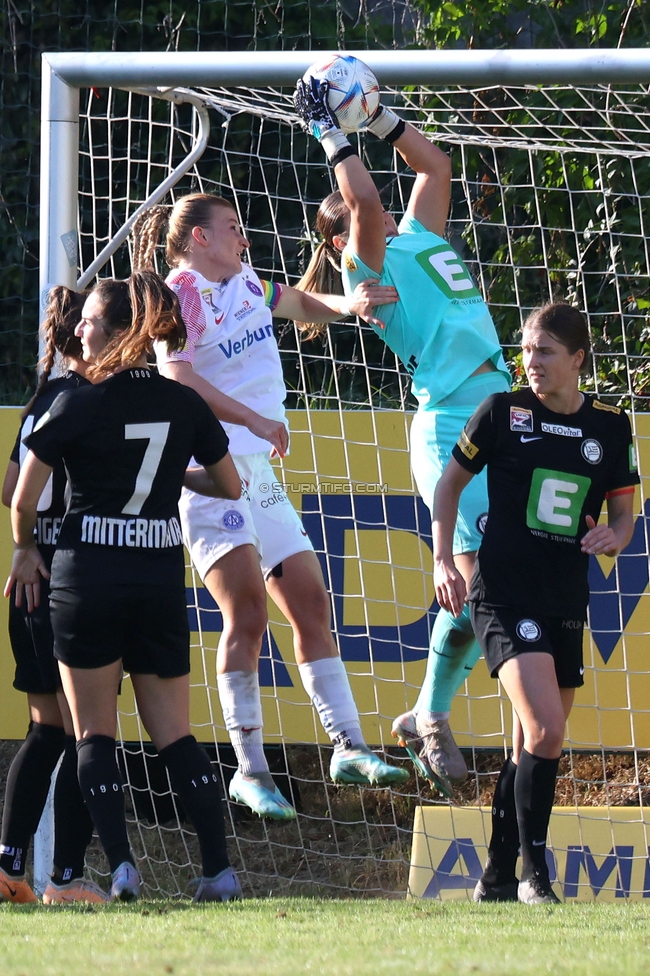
{"x":28,"y":784}
{"x":504,"y":843}
{"x":534,"y":794}
{"x":73,"y":825}
{"x":196,"y":784}
{"x":101,"y":788}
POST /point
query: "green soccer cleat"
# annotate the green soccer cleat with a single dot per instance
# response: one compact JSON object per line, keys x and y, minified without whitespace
{"x":263,"y":801}
{"x":359,"y":766}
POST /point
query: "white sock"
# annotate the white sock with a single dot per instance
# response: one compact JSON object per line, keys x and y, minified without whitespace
{"x":239,"y":694}
{"x":327,"y":684}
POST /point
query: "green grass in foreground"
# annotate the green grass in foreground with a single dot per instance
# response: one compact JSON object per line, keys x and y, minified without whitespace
{"x":337,"y":938}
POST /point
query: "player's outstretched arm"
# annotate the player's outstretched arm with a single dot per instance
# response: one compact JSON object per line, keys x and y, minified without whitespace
{"x":219,"y":480}
{"x":27,"y":566}
{"x":611,"y":539}
{"x":226,"y":409}
{"x":305,"y":306}
{"x":449,"y":584}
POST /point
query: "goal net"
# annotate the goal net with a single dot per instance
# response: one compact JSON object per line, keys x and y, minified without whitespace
{"x":549,"y":201}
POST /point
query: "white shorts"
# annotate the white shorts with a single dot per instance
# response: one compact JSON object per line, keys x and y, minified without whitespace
{"x":263,"y":517}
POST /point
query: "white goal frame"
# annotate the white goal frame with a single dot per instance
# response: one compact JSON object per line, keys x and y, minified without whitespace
{"x":63,"y":75}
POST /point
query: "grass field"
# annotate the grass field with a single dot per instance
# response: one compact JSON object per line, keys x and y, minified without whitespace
{"x":337,"y":938}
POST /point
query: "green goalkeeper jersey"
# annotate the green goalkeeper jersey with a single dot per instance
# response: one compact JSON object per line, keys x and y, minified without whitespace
{"x":440,"y":328}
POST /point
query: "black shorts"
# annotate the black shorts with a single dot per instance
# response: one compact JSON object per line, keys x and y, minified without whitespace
{"x":30,"y":634}
{"x":504,"y":632}
{"x":143,"y":625}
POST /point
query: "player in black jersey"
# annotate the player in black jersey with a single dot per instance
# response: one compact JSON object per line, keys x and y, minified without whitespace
{"x":37,"y":674}
{"x":117,"y":581}
{"x":553,"y":454}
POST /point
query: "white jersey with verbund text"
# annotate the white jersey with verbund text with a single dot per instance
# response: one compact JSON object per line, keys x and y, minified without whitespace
{"x":231,"y":344}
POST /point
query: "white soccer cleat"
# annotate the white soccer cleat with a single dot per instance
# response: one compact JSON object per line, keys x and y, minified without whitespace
{"x":224,"y":886}
{"x":537,"y":891}
{"x":126,"y":883}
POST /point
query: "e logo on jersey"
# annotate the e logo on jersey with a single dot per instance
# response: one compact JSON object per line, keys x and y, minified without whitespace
{"x":521,"y":420}
{"x":528,"y":630}
{"x":592,"y":451}
{"x":555,"y":501}
{"x":446,"y":269}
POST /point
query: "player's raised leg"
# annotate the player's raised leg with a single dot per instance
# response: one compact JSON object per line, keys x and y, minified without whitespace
{"x":298,"y":589}
{"x":236,"y":584}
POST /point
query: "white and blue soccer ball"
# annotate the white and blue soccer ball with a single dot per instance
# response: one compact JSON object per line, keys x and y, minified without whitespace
{"x":353,"y":92}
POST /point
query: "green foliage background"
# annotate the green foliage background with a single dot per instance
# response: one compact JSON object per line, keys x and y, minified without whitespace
{"x":29,"y":27}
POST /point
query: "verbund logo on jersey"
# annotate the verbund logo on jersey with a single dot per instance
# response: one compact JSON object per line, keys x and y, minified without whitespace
{"x":240,"y":345}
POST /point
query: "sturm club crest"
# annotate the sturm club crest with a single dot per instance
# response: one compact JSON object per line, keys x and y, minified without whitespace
{"x":233,"y":519}
{"x":592,"y":451}
{"x":481,"y":522}
{"x":529,"y":630}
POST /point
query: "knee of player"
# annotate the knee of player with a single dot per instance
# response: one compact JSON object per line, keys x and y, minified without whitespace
{"x":546,"y":738}
{"x":314,"y":606}
{"x":249,"y":619}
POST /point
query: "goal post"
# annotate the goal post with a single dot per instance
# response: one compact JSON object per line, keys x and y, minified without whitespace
{"x":551,"y":180}
{"x":63,"y":75}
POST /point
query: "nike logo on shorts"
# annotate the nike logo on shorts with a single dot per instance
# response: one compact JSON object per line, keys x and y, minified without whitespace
{"x":526,"y":440}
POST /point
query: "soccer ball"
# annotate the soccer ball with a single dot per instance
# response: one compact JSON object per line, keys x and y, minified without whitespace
{"x":353,"y":93}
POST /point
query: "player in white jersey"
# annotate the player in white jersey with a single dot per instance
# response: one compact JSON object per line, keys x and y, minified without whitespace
{"x":442,"y":331}
{"x":232,"y":360}
{"x":117,"y":588}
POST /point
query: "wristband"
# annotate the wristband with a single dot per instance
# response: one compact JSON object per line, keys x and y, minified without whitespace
{"x":386,"y":125}
{"x":333,"y":142}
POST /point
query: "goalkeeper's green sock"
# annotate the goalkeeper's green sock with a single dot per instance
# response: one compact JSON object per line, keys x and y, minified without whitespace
{"x":453,"y":652}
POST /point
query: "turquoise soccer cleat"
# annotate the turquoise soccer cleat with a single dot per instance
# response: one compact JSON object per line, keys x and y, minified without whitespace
{"x":263,"y":801}
{"x":359,"y":766}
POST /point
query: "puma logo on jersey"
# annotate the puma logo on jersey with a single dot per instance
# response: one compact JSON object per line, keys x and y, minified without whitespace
{"x":236,"y":348}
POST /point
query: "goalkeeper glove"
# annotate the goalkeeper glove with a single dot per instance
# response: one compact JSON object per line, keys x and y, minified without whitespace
{"x":318,"y":120}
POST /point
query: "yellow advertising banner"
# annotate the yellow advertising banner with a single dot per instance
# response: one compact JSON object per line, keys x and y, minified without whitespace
{"x":348,"y":474}
{"x":594,"y":853}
